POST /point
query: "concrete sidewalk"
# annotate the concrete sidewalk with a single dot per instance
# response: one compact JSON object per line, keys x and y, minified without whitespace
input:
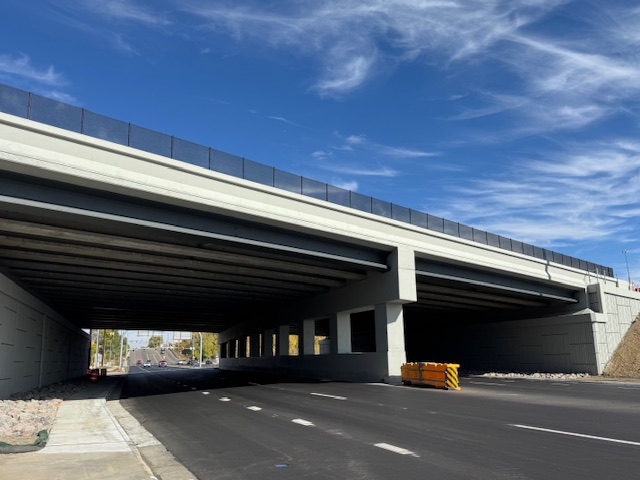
{"x":95,"y":438}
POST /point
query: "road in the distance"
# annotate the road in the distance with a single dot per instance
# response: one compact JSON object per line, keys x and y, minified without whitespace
{"x":223,"y":426}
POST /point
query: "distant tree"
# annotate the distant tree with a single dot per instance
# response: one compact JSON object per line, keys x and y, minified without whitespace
{"x":155,"y":341}
{"x":294,"y":347}
{"x":209,"y":344}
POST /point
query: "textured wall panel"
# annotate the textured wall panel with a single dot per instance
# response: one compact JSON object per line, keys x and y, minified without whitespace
{"x":24,"y":364}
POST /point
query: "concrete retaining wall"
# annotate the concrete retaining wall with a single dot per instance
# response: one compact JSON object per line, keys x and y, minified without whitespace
{"x":617,"y":308}
{"x":557,"y":344}
{"x":37,"y":346}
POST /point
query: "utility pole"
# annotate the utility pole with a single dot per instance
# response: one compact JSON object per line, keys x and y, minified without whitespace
{"x":200,"y":363}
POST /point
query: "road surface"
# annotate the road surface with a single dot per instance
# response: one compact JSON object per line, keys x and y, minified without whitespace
{"x":226,"y":426}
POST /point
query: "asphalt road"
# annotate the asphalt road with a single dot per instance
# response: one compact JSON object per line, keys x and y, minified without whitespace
{"x":226,"y":426}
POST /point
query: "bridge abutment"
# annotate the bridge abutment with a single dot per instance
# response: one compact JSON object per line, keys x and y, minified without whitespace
{"x":38,"y":347}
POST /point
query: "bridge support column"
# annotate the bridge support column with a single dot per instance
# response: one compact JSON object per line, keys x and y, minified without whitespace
{"x":282,"y":341}
{"x":389,"y":321}
{"x":306,"y":337}
{"x":267,"y":342}
{"x":254,"y":347}
{"x":339,"y":333}
{"x":231,"y":348}
{"x":242,"y":346}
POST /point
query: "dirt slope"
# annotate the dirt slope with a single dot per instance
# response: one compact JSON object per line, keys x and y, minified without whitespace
{"x":625,"y":362}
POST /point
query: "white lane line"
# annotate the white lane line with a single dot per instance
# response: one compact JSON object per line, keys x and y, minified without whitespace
{"x":225,"y":399}
{"x":581,"y":435}
{"x":488,"y":383}
{"x":300,"y":421}
{"x":255,"y":409}
{"x":335,"y":397}
{"x":394,"y":449}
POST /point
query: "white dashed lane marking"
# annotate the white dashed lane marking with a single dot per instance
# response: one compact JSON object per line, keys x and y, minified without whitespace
{"x":335,"y":397}
{"x":394,"y":449}
{"x":300,"y":421}
{"x":255,"y":409}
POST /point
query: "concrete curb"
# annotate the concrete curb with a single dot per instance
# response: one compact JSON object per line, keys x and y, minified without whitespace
{"x":154,"y":457}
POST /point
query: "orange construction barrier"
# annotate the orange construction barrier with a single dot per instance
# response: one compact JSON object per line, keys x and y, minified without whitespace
{"x":439,"y":375}
{"x":94,"y":375}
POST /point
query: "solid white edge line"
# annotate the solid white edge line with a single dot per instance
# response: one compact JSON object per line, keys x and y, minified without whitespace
{"x":581,"y":435}
{"x":394,"y":449}
{"x":300,"y":421}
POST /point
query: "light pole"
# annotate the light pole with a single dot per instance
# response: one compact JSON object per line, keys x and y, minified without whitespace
{"x":200,"y":363}
{"x":104,"y":347}
{"x":627,"y":262}
{"x":97,"y":344}
{"x":110,"y":347}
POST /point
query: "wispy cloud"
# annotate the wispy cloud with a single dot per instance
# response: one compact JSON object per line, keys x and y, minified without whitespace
{"x":367,"y":172}
{"x":121,"y":44}
{"x":557,"y":82}
{"x":283,"y":120}
{"x":21,"y":66}
{"x":588,"y":192}
{"x":353,"y":41}
{"x":353,"y":142}
{"x":126,"y":11}
{"x":347,"y":185}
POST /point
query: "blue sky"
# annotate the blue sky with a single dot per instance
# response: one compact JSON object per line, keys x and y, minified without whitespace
{"x":517,"y":117}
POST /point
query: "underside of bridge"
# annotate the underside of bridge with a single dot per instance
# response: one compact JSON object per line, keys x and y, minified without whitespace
{"x":128,"y":264}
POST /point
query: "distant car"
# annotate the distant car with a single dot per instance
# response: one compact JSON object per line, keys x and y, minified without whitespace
{"x":190,"y":362}
{"x":208,"y":362}
{"x":139,"y":362}
{"x":147,"y":364}
{"x":180,"y":362}
{"x":162,"y":363}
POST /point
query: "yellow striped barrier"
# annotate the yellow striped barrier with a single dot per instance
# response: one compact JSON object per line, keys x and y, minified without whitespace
{"x":439,"y":375}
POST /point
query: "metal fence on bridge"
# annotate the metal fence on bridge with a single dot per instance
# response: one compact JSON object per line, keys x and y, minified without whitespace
{"x":58,"y":114}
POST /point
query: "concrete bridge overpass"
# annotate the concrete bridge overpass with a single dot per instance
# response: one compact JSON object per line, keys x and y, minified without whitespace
{"x":105,"y":225}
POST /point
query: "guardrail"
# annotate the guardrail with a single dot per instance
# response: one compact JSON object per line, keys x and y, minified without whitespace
{"x":52,"y":112}
{"x":439,"y":375}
